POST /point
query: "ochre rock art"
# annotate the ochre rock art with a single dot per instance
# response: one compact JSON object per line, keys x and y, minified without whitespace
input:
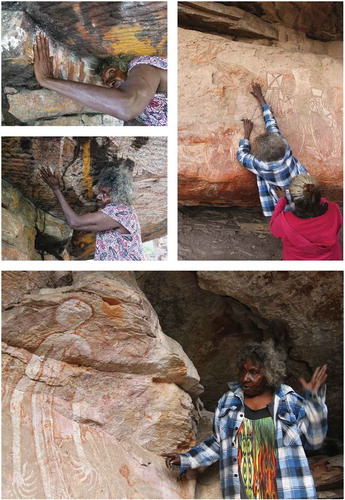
{"x":215,"y":77}
{"x":93,"y":390}
{"x":90,"y":386}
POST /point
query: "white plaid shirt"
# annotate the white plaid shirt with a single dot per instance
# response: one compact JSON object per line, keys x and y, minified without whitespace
{"x":270,"y":175}
{"x":300,"y":423}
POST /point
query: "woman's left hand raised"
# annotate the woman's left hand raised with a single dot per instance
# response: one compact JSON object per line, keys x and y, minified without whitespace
{"x":43,"y":62}
{"x":318,"y":378}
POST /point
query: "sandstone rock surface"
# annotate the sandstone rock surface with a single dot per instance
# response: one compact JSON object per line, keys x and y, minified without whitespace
{"x":91,"y":385}
{"x":225,"y":19}
{"x":215,"y":76}
{"x":318,"y":20}
{"x":79,"y":161}
{"x":79,"y":35}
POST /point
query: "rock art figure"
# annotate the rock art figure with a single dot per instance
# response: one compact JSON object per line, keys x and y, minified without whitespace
{"x":272,"y":161}
{"x":261,"y":424}
{"x":86,"y":387}
{"x":116,"y":224}
{"x":280,"y":93}
{"x":323,"y":127}
{"x":138,"y":90}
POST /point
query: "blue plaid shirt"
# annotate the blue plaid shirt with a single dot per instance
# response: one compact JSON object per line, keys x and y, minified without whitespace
{"x":270,"y":175}
{"x":300,"y":423}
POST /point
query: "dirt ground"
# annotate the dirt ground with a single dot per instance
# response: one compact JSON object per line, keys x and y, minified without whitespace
{"x":232,"y":233}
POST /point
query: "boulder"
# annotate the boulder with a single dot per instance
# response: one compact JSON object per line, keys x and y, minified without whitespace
{"x":30,"y":106}
{"x":215,"y":77}
{"x":91,"y":385}
{"x":27,"y":231}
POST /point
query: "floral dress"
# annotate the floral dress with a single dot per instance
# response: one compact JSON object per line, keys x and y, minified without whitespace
{"x":156,"y":111}
{"x":112,"y":245}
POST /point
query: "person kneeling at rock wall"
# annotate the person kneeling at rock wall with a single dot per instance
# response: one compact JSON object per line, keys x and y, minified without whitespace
{"x":272,"y":161}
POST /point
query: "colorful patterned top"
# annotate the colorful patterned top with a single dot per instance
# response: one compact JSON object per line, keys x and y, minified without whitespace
{"x":156,"y":111}
{"x":112,"y":245}
{"x":256,"y":454}
{"x":299,"y":423}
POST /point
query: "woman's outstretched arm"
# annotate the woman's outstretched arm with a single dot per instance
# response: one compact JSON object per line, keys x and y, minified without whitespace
{"x":96,"y":221}
{"x":125,"y":103}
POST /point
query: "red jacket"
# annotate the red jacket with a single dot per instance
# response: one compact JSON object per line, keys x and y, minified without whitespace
{"x":308,"y":239}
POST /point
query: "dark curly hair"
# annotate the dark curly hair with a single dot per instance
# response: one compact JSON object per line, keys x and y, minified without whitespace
{"x":268,"y":357}
{"x":269,"y":147}
{"x":121,"y":61}
{"x":120,"y":180}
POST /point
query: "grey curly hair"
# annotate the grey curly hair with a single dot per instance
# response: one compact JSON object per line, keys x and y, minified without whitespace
{"x":269,"y":147}
{"x":120,"y":61}
{"x":120,"y":180}
{"x":268,"y":357}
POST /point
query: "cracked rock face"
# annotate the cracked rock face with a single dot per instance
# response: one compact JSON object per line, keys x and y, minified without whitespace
{"x":91,"y":385}
{"x":35,"y":225}
{"x":79,"y":34}
{"x":223,"y":51}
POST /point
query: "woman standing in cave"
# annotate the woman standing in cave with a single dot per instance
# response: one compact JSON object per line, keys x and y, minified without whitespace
{"x":311,"y":230}
{"x":116,"y":223}
{"x":261,"y":428}
{"x":137,"y":91}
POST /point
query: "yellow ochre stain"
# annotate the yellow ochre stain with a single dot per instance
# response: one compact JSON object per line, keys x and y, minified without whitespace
{"x":161,"y":48}
{"x":125,"y":41}
{"x":87,"y":179}
{"x":51,"y":109}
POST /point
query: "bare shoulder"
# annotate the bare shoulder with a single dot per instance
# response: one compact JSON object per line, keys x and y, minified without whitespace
{"x":147,"y":75}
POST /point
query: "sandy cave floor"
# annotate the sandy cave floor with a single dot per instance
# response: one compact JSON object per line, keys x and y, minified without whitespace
{"x":231,"y":233}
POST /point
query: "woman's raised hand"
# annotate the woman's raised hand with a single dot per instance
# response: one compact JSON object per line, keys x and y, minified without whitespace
{"x":50,"y":178}
{"x":318,"y":378}
{"x":43,"y":62}
{"x":257,"y":93}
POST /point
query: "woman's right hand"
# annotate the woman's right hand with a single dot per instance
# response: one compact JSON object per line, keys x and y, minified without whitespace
{"x":50,"y":178}
{"x":43,"y":61}
{"x":257,"y":93}
{"x":171,"y":459}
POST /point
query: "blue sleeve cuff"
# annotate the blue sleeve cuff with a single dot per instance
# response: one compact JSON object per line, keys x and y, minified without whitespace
{"x":266,"y":106}
{"x":244,"y":142}
{"x":184,"y":464}
{"x":315,"y":397}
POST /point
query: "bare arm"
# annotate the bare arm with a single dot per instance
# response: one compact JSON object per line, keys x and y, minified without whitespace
{"x":97,"y":221}
{"x":125,"y":103}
